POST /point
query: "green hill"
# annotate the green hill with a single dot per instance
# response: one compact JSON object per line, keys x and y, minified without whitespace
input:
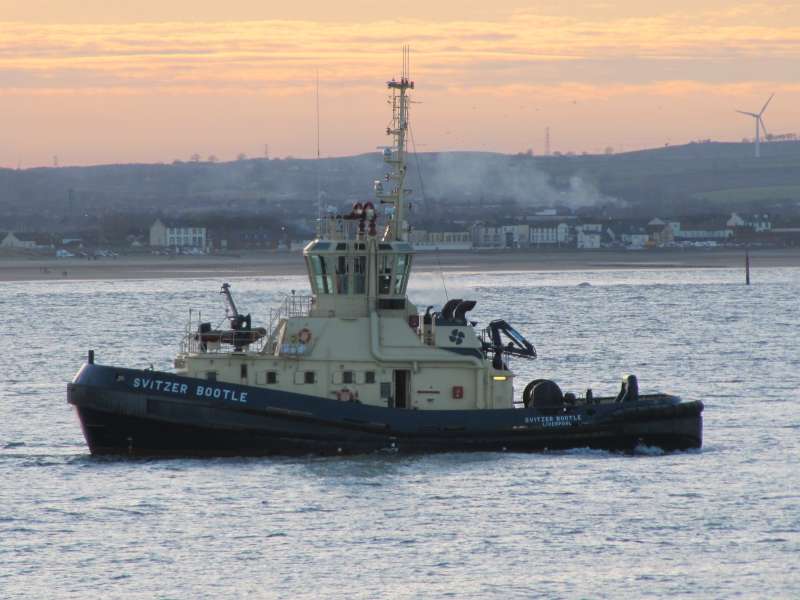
{"x":694,"y":177}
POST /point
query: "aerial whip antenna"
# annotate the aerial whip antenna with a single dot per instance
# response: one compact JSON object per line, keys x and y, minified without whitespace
{"x":319,"y":193}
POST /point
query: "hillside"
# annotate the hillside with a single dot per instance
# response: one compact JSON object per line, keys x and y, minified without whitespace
{"x":694,"y":178}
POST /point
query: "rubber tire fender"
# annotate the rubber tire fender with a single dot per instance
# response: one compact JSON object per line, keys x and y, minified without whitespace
{"x":547,"y":395}
{"x":527,"y":395}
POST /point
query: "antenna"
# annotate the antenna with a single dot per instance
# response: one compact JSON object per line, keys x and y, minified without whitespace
{"x":395,"y":156}
{"x":547,"y":141}
{"x":759,"y":124}
{"x":319,"y":193}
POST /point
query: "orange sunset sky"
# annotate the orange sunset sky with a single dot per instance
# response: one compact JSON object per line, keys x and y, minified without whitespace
{"x":104,"y":81}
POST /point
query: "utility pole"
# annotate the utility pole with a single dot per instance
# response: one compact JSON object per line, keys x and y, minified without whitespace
{"x":547,"y":141}
{"x":747,"y":267}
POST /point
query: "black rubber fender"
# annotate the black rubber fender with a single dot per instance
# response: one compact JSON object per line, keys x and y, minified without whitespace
{"x":527,"y":395}
{"x":543,"y":393}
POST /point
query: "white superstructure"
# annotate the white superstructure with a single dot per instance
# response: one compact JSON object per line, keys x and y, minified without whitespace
{"x":358,"y":337}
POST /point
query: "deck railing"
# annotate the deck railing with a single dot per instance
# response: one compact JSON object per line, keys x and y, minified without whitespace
{"x":291,"y":306}
{"x":192,"y":343}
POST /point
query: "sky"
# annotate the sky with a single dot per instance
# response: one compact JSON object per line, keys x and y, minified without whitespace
{"x":111,"y":81}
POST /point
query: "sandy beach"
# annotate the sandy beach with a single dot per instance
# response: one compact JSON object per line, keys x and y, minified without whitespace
{"x":283,"y":263}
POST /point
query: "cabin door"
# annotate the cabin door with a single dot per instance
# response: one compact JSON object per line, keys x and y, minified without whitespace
{"x":401,"y":387}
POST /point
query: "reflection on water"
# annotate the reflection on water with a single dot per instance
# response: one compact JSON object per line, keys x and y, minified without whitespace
{"x":713,"y":523}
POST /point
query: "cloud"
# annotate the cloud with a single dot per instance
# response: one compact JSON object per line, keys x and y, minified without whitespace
{"x":277,"y":56}
{"x":617,"y":75}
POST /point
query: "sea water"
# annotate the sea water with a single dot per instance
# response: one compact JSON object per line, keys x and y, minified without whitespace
{"x":721,"y":522}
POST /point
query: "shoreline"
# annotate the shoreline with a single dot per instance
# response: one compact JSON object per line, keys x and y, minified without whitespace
{"x":258,"y":264}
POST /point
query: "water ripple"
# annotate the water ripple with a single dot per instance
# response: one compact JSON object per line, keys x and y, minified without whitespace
{"x":719,"y":522}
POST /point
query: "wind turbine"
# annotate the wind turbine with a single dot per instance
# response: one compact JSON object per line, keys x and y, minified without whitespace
{"x":759,"y":124}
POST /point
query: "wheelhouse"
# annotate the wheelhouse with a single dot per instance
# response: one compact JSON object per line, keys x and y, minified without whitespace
{"x":369,"y":272}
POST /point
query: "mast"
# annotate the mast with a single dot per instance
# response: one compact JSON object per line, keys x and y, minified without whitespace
{"x":316,"y":168}
{"x":395,"y":155}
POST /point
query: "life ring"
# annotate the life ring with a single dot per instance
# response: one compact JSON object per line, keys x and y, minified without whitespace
{"x":344,"y":394}
{"x":304,"y":336}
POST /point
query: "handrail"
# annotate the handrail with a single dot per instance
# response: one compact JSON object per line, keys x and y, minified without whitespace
{"x":291,"y":306}
{"x":193,"y":344}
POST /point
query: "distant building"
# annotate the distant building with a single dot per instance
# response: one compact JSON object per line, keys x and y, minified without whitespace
{"x":484,"y":236}
{"x":757,"y":223}
{"x":709,"y":230}
{"x":786,"y":236}
{"x":173,"y":234}
{"x":75,"y":240}
{"x":661,"y":232}
{"x":243,"y":237}
{"x":588,"y":236}
{"x":440,"y":240}
{"x":549,"y":233}
{"x":134,"y":240}
{"x":501,"y":236}
{"x":30,"y":241}
{"x":633,"y":236}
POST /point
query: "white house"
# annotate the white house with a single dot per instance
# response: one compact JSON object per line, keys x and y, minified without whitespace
{"x":487,"y":237}
{"x":662,"y":232}
{"x":549,"y":233}
{"x":177,"y":235}
{"x":635,"y":237}
{"x":30,"y":241}
{"x":501,"y":236}
{"x":757,"y":223}
{"x":589,"y":235}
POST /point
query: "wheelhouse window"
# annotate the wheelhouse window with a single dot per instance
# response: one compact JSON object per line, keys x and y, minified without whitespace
{"x":385,"y":273}
{"x":401,"y":273}
{"x":321,"y":274}
{"x":309,"y":377}
{"x":272,"y":377}
{"x":360,"y":274}
{"x":342,"y":275}
{"x":347,"y":377}
{"x":393,"y":270}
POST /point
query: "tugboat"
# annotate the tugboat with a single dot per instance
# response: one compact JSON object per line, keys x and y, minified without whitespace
{"x":357,"y":367}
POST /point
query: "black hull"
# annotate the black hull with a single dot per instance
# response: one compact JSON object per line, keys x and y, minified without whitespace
{"x":121,"y":412}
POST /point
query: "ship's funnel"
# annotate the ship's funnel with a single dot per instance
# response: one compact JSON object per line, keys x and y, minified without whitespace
{"x":463,"y":308}
{"x":449,"y":307}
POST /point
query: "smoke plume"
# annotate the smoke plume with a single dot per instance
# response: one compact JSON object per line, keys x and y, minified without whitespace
{"x":473,"y":177}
